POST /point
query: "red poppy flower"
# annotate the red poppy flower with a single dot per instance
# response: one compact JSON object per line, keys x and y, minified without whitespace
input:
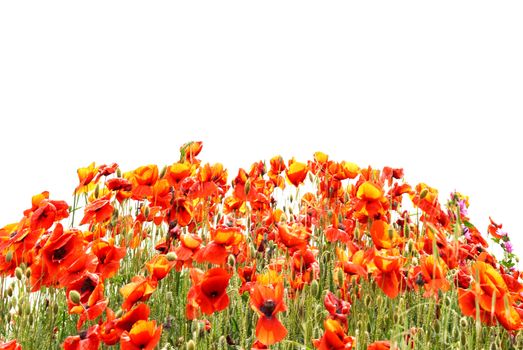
{"x":140,"y":289}
{"x":338,"y":309}
{"x":86,"y":340}
{"x":144,"y":335}
{"x":296,"y":172}
{"x":98,"y":211}
{"x":109,"y":257}
{"x":334,"y":337}
{"x":85,"y":177}
{"x":159,"y":266}
{"x":209,"y":290}
{"x":267,"y":301}
{"x":379,"y":345}
{"x":10,"y":345}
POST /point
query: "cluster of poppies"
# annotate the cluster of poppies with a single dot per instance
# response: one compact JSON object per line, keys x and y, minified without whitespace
{"x":262,"y":229}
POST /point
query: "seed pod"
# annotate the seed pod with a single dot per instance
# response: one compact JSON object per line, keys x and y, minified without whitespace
{"x":231,"y":260}
{"x":315,"y":288}
{"x":190,"y":345}
{"x":19,"y":273}
{"x":75,"y":297}
{"x":164,"y":170}
{"x":340,"y":277}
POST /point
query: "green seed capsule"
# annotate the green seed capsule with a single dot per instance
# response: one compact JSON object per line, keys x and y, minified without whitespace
{"x":19,"y":273}
{"x":74,"y":296}
{"x":171,"y":256}
{"x":190,"y":345}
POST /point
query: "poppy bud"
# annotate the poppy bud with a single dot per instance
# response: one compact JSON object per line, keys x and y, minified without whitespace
{"x":96,"y":191}
{"x":75,"y":297}
{"x":162,"y":173}
{"x":231,"y":260}
{"x":315,"y":288}
{"x":28,"y":273}
{"x":190,"y":345}
{"x":222,"y":342}
{"x":9,"y":291}
{"x":119,"y":313}
{"x":118,"y":173}
{"x":423,"y":193}
{"x":9,"y":256}
{"x":18,"y":273}
{"x":146,"y":212}
{"x":171,"y":256}
{"x":340,"y":277}
{"x":247,"y":186}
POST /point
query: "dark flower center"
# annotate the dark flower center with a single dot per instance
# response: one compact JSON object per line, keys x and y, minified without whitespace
{"x":59,"y":253}
{"x":268,"y":307}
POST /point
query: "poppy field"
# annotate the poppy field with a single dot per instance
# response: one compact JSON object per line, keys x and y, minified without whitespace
{"x":320,"y":254}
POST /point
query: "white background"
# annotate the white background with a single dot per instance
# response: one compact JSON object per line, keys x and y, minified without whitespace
{"x":435,"y":88}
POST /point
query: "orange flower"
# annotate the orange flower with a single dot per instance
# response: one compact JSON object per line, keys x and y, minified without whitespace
{"x":144,"y":335}
{"x":140,"y":289}
{"x":224,"y":240}
{"x":495,"y":229}
{"x":209,"y":290}
{"x":294,"y":238}
{"x":112,"y":329}
{"x":143,"y":178}
{"x":267,"y":301}
{"x":334,"y":337}
{"x":388,"y":276}
{"x":86,"y":176}
{"x":98,"y":211}
{"x":383,"y":235}
{"x":379,"y":345}
{"x":60,"y":250}
{"x":370,"y":201}
{"x":296,"y":172}
{"x":159,"y":266}
{"x":108,"y":255}
{"x":489,"y":292}
{"x":190,"y":150}
{"x":434,"y":272}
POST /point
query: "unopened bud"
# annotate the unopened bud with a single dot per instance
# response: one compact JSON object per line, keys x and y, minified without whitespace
{"x":315,"y":288}
{"x":171,"y":256}
{"x":9,"y":256}
{"x":19,"y":273}
{"x":340,"y":275}
{"x":190,"y":345}
{"x":74,"y":296}
{"x":423,"y":193}
{"x":231,"y":260}
{"x":162,"y":173}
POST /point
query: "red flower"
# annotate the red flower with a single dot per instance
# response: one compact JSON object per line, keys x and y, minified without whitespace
{"x":140,"y":289}
{"x":209,"y":290}
{"x":10,"y":345}
{"x":267,"y":301}
{"x":98,"y":211}
{"x":144,"y":335}
{"x":334,"y":337}
{"x":86,"y":340}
